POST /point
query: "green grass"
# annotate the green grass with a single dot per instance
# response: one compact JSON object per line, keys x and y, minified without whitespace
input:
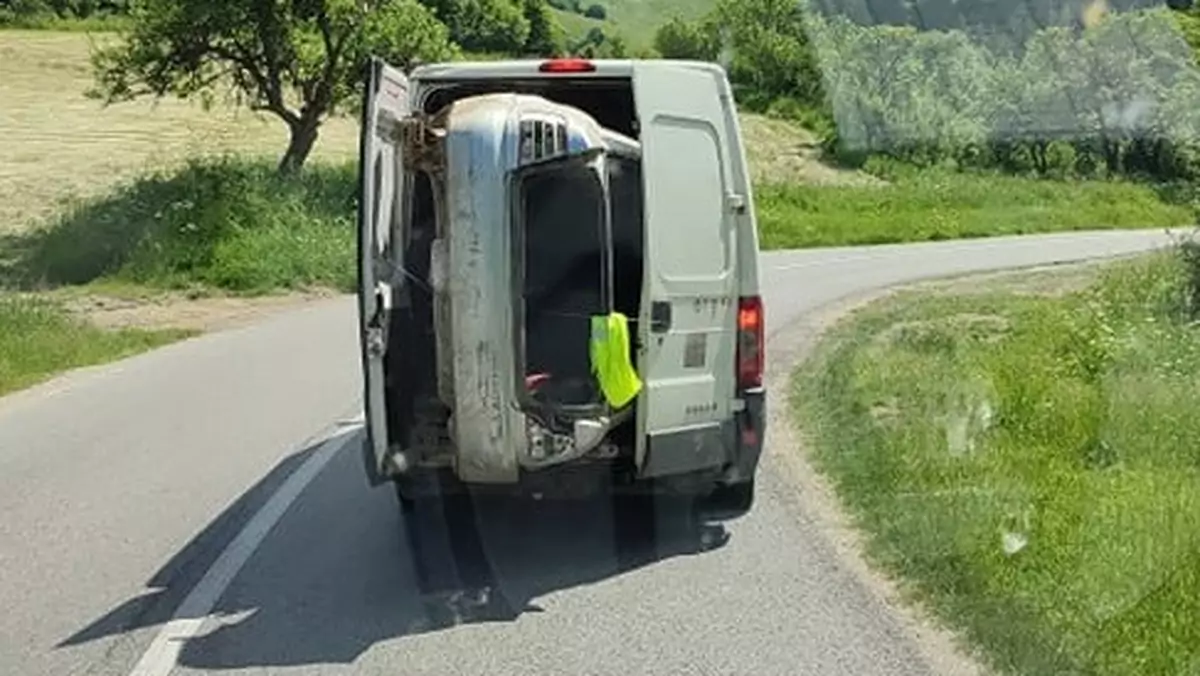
{"x":941,"y":204}
{"x":226,"y":224}
{"x":38,"y":339}
{"x":1027,"y":463}
{"x":576,"y":26}
{"x":637,"y":20}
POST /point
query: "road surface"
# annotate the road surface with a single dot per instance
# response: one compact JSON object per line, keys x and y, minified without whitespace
{"x":200,"y":474}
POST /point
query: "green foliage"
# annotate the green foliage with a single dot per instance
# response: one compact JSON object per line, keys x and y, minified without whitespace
{"x":484,"y":25}
{"x":937,"y":204}
{"x":679,"y":39}
{"x":593,"y":12}
{"x":38,"y":338}
{"x":1026,"y":461}
{"x":764,"y":43}
{"x":229,"y":224}
{"x":300,"y":60}
{"x":1112,"y":100}
{"x":771,"y":55}
{"x":573,"y":6}
{"x":599,"y":45}
{"x":546,"y":36}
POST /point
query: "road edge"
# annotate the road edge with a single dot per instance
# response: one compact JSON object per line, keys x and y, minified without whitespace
{"x":943,"y":650}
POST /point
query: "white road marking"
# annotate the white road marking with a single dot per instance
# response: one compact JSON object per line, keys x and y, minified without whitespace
{"x":162,"y":655}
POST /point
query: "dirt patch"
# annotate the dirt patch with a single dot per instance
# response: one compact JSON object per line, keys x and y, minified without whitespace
{"x":177,"y":311}
{"x":783,"y":152}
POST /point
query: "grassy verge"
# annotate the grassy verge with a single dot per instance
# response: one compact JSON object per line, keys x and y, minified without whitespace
{"x":39,"y":339}
{"x":1027,"y":463}
{"x":226,"y":224}
{"x":940,"y":204}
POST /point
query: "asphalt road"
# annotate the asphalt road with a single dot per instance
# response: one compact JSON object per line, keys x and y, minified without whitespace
{"x":199,"y":475}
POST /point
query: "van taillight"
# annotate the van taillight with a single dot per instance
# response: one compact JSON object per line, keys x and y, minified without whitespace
{"x":567,"y":66}
{"x":750,"y":340}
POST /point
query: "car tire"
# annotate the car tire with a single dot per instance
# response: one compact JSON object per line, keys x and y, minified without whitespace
{"x":729,"y":501}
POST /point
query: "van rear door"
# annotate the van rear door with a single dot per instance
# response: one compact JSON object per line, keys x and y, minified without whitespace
{"x":689,"y":300}
{"x":387,"y":97}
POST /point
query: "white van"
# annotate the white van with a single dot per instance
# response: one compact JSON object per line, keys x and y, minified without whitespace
{"x":504,"y":206}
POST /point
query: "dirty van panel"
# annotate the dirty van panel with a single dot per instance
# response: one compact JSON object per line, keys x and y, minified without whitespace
{"x":386,"y":105}
{"x":689,"y":308}
{"x":486,"y":427}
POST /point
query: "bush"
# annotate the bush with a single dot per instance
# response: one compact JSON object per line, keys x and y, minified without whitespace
{"x":596,"y":12}
{"x":232,"y":224}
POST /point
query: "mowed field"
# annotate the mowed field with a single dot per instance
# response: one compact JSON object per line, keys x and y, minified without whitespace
{"x":57,"y":143}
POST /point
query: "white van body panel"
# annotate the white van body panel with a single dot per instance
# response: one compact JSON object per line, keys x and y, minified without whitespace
{"x":690,"y":255}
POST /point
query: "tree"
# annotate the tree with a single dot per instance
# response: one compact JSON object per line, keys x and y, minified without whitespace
{"x":299,"y":60}
{"x":596,"y":11}
{"x":679,"y":39}
{"x":484,"y":25}
{"x":770,"y":49}
{"x":545,"y":34}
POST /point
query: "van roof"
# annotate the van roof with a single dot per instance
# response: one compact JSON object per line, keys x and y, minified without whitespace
{"x":531,"y":68}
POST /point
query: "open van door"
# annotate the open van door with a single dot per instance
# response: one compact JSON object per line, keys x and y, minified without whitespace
{"x":386,"y":104}
{"x":686,"y":327}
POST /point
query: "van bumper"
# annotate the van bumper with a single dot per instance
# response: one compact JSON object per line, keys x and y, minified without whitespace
{"x":730,"y":449}
{"x":750,"y":435}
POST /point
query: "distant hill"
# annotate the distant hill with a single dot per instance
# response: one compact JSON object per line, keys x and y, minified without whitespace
{"x":634,"y":20}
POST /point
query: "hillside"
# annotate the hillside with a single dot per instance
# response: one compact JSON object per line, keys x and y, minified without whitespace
{"x":634,"y":20}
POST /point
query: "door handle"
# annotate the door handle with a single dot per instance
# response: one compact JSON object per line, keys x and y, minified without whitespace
{"x":660,"y":316}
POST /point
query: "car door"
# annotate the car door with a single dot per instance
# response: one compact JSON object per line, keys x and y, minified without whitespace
{"x":386,"y":104}
{"x":688,"y":310}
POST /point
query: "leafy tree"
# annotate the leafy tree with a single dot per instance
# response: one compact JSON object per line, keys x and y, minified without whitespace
{"x":613,"y":47}
{"x":596,"y":11}
{"x":546,"y":36}
{"x":679,"y":39}
{"x":484,"y":25}
{"x":769,"y":47}
{"x":299,"y":60}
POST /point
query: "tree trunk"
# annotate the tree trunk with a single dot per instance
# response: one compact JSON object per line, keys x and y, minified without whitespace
{"x":303,"y":137}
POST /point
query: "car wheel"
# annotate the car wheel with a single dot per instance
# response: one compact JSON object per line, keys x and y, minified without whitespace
{"x":729,"y":501}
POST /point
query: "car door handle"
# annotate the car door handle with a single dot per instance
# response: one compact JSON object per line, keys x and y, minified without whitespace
{"x":660,"y":316}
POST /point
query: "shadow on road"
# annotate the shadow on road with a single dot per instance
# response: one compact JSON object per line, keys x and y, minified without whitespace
{"x":171,"y":583}
{"x":344,"y":570}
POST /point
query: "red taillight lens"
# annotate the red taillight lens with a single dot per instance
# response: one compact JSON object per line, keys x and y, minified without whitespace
{"x":750,"y":339}
{"x":567,"y":66}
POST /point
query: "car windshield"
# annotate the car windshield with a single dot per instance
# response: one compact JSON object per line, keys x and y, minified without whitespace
{"x":606,"y":337}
